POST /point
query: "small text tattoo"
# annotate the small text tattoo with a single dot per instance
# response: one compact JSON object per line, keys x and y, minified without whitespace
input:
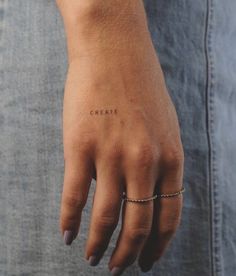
{"x":103,"y":112}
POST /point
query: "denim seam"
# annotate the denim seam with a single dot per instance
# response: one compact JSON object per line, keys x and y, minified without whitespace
{"x":2,"y":14}
{"x":3,"y":4}
{"x":213,"y":185}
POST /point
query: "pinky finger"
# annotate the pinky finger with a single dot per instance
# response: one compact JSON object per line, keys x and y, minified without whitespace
{"x":166,"y":219}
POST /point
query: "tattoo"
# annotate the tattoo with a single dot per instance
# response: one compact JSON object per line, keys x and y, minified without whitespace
{"x":103,"y":112}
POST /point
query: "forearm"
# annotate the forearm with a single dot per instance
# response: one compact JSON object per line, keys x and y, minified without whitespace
{"x":103,"y":25}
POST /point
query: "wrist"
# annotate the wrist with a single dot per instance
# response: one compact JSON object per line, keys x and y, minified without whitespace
{"x":93,"y":12}
{"x":101,"y":25}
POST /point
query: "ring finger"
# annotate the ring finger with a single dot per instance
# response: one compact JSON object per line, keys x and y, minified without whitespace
{"x":136,"y":218}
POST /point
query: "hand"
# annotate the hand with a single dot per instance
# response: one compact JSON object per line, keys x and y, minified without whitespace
{"x":120,"y":126}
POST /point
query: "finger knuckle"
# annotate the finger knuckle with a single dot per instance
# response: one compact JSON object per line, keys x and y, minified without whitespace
{"x":167,"y":232}
{"x":106,"y":223}
{"x":143,"y":154}
{"x":113,"y":152}
{"x":77,"y":145}
{"x":74,"y":201}
{"x":168,"y":229}
{"x":137,"y":235}
{"x":173,"y":158}
{"x":85,"y":143}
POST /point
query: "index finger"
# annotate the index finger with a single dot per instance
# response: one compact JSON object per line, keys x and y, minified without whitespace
{"x":77,"y":180}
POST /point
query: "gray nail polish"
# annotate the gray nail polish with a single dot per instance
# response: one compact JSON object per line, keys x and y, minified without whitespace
{"x":93,"y":260}
{"x":68,"y":237}
{"x":116,"y":271}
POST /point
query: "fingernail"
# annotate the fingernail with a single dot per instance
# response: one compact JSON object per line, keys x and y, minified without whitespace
{"x":93,"y":260}
{"x":117,"y":271}
{"x":68,"y":237}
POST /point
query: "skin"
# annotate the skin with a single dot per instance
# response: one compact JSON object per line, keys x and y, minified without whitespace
{"x":132,"y":145}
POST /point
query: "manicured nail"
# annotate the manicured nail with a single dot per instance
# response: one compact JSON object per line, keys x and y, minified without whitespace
{"x":93,"y":260}
{"x":68,"y":237}
{"x":116,"y":271}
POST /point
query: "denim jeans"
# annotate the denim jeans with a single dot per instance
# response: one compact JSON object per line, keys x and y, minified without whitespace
{"x":196,"y":42}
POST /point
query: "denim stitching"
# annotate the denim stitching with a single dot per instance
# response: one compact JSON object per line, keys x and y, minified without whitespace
{"x":213,"y":185}
{"x":2,"y":2}
{"x":2,"y":27}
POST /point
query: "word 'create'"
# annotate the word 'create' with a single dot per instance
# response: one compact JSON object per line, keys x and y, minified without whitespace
{"x":103,"y":112}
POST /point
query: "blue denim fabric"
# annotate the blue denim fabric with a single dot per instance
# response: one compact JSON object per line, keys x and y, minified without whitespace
{"x":196,"y":42}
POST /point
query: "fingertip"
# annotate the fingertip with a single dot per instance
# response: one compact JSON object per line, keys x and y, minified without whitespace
{"x":68,"y":237}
